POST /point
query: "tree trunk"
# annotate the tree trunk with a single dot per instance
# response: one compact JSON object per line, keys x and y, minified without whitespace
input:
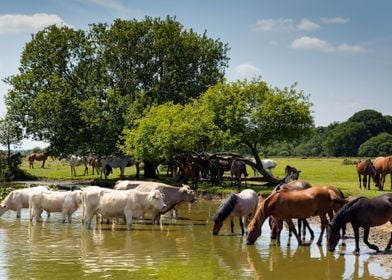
{"x":150,"y":170}
{"x":267,"y":176}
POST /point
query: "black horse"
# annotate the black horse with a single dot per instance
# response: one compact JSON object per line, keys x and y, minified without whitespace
{"x":361,"y":212}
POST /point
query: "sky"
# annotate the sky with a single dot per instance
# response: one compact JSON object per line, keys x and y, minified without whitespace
{"x":339,"y":52}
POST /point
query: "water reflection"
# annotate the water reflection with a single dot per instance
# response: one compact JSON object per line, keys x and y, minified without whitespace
{"x":182,"y":248}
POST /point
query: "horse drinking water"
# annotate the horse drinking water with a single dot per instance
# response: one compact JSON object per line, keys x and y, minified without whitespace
{"x":361,"y":212}
{"x":243,"y":204}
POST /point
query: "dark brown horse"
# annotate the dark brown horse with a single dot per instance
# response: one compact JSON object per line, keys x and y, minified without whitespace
{"x":383,"y":165}
{"x":288,"y":205}
{"x":361,"y":212}
{"x":237,"y":169}
{"x":189,"y":170}
{"x":38,"y":156}
{"x":366,"y":169}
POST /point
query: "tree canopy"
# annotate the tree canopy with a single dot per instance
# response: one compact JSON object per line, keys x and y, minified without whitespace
{"x":79,"y":89}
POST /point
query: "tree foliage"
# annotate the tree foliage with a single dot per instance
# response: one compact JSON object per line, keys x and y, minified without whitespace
{"x":78,"y":89}
{"x":380,"y":145}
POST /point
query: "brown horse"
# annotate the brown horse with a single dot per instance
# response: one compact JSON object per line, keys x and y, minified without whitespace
{"x":361,"y":212}
{"x":38,"y":156}
{"x":383,"y":165}
{"x":189,"y":170}
{"x":288,"y":205}
{"x":366,"y":169}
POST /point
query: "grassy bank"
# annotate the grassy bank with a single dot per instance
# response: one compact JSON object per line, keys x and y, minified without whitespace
{"x":317,"y":171}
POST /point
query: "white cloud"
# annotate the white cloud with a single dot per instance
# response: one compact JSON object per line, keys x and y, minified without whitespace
{"x":307,"y":25}
{"x":314,"y":43}
{"x":335,"y":20}
{"x":111,"y":4}
{"x":285,"y":24}
{"x":246,"y":70}
{"x":27,"y":23}
{"x":274,"y":24}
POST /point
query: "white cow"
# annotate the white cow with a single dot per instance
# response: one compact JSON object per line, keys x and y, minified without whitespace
{"x":64,"y":202}
{"x":119,"y":203}
{"x":90,"y":191}
{"x":130,"y":184}
{"x":18,"y":199}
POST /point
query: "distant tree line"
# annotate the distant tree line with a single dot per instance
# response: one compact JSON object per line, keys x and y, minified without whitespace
{"x":367,"y":133}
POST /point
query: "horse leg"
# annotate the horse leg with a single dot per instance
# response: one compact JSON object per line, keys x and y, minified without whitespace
{"x":307,"y":226}
{"x":293,"y":230}
{"x":364,"y":181}
{"x":232,"y":224}
{"x":356,"y":237}
{"x":368,"y":182}
{"x":300,"y":233}
{"x":242,"y":226}
{"x":365,"y":239}
{"x":359,"y":177}
{"x":390,"y":242}
{"x":324,"y":224}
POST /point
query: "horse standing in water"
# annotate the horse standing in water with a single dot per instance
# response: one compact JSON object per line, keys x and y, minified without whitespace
{"x":367,"y":170}
{"x":243,"y":204}
{"x":361,"y":212}
{"x":38,"y":156}
{"x":286,"y":205}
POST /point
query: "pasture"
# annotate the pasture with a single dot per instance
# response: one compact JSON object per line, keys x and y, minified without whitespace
{"x":317,"y":171}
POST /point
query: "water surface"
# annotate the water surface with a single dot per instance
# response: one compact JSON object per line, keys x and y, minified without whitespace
{"x":178,"y":249}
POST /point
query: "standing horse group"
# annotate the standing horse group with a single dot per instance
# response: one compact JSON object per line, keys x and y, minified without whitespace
{"x":377,"y":170}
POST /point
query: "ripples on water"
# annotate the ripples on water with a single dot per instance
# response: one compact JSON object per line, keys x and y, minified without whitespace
{"x":177,"y":249}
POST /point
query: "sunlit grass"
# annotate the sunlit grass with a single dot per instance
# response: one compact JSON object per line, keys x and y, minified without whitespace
{"x":317,"y":171}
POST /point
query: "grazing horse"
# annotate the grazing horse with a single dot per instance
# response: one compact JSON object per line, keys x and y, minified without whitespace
{"x":243,"y":204}
{"x":296,"y":185}
{"x":361,"y":212}
{"x":383,"y":165}
{"x":109,"y":162}
{"x":287,"y":205}
{"x":38,"y":156}
{"x":367,"y":170}
{"x":238,"y":167}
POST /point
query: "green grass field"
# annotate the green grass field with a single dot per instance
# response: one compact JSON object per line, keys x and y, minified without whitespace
{"x":317,"y":171}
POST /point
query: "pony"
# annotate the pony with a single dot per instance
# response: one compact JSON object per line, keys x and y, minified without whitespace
{"x":38,"y":156}
{"x":367,"y":170}
{"x":109,"y":162}
{"x":361,"y":212}
{"x":189,"y":170}
{"x":291,"y":173}
{"x":243,"y":204}
{"x":268,"y":164}
{"x":95,"y":163}
{"x":286,"y":205}
{"x":383,"y":165}
{"x":238,"y":167}
{"x":74,"y":161}
{"x":296,"y":185}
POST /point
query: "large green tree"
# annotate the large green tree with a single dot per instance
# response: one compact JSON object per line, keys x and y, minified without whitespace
{"x":380,"y":145}
{"x":253,"y":114}
{"x":79,"y":89}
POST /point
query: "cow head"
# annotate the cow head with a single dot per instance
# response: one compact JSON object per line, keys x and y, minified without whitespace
{"x":3,"y":209}
{"x":189,"y":194}
{"x":156,"y":199}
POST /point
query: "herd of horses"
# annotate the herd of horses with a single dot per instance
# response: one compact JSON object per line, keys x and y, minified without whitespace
{"x":376,"y":170}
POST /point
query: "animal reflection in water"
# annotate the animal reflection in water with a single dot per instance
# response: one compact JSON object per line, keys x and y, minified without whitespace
{"x":361,"y":212}
{"x":243,"y":204}
{"x":288,"y":205}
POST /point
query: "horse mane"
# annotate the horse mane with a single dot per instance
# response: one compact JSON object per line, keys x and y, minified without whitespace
{"x":226,"y":208}
{"x":259,"y":216}
{"x":339,"y":220}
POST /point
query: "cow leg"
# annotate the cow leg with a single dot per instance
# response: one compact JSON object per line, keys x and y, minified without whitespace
{"x":18,"y":210}
{"x":128,"y":219}
{"x":70,"y":218}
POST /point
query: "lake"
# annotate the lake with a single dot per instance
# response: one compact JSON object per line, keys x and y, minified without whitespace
{"x":178,"y":249}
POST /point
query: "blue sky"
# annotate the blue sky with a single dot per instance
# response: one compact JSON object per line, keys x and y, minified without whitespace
{"x":339,"y":52}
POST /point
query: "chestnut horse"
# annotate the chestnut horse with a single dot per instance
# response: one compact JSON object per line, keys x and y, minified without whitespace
{"x":243,"y":204}
{"x":361,"y":212}
{"x":288,"y":205}
{"x":367,"y":170}
{"x":38,"y":156}
{"x":383,"y":165}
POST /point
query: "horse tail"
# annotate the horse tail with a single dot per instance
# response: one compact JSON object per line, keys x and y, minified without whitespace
{"x":226,"y":208}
